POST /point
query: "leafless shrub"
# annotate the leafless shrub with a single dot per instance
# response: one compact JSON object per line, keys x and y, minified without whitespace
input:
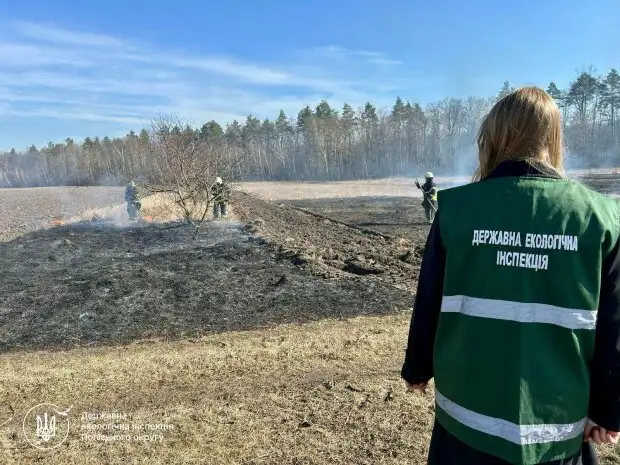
{"x":186,"y":166}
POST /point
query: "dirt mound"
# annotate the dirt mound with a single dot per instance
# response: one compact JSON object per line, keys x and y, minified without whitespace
{"x":328,"y":247}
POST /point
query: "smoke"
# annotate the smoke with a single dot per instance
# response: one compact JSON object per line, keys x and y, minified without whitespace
{"x":466,"y":162}
{"x":109,"y":180}
{"x":75,"y":204}
{"x":574,"y":161}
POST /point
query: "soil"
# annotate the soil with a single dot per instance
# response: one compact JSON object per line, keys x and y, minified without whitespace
{"x":331,"y":247}
{"x":394,"y":216}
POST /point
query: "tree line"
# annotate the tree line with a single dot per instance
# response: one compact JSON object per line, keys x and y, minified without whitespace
{"x":325,"y":143}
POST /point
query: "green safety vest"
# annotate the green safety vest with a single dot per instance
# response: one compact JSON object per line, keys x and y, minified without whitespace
{"x":516,"y":330}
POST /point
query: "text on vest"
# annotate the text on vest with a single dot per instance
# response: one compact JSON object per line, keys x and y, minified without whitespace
{"x":533,"y":241}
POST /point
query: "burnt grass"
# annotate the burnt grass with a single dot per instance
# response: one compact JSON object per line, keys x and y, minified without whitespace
{"x":95,"y":284}
{"x":395,"y":216}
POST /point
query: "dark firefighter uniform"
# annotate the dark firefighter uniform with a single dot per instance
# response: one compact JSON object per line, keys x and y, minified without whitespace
{"x":221,"y":196}
{"x":429,"y":191}
{"x":131,"y":197}
{"x":516,"y":322}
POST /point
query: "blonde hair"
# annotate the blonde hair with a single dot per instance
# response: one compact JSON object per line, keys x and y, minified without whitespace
{"x":524,"y":125}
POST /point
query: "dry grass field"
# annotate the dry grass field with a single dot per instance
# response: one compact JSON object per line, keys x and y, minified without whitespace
{"x":317,"y":190}
{"x":275,"y":338}
{"x":23,"y":210}
{"x":325,"y":392}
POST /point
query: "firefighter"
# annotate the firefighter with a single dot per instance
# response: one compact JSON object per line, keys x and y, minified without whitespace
{"x":131,"y":197}
{"x":429,"y":191}
{"x":221,"y":194}
{"x":517,"y":308}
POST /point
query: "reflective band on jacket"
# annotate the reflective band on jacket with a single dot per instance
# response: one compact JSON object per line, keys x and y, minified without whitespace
{"x":520,"y":312}
{"x":517,"y":434}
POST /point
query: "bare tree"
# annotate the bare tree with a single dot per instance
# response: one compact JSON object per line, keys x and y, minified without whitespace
{"x":186,"y":164}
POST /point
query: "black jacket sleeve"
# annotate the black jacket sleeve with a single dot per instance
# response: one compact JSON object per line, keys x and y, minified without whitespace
{"x":605,"y":368}
{"x":418,"y":366}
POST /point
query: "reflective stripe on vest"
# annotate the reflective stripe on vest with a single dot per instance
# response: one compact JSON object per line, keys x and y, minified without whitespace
{"x":520,"y":312}
{"x":517,"y":434}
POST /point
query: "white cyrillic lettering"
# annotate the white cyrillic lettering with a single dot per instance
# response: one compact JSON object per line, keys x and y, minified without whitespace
{"x":538,"y":241}
{"x":574,"y":245}
{"x":544,"y":262}
{"x":475,"y":240}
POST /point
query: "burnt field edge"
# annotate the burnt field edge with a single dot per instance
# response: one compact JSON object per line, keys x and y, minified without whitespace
{"x":339,"y":296}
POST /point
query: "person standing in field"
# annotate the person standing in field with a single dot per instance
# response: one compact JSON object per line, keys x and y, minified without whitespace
{"x":131,"y":197}
{"x":429,"y":191}
{"x":221,"y":194}
{"x":517,"y":314}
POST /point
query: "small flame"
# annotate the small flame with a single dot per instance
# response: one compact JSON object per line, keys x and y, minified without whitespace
{"x":148,"y":219}
{"x":57,"y":222}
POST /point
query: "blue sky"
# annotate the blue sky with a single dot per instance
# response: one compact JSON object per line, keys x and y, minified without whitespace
{"x":81,"y":68}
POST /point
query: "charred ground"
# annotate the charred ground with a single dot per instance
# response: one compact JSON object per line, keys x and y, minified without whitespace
{"x":111,"y":282}
{"x":92,"y":283}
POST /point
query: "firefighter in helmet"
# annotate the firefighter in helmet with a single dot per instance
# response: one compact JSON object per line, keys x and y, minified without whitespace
{"x":131,"y":197}
{"x":221,"y":195}
{"x":429,"y":191}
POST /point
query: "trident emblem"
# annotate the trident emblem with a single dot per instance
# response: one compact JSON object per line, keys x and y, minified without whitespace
{"x":52,"y":426}
{"x":46,"y":430}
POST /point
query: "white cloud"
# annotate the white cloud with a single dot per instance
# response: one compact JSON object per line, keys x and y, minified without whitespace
{"x":79,"y":115}
{"x":378,"y":58}
{"x":68,"y":75}
{"x":50,"y":33}
{"x":375,"y":58}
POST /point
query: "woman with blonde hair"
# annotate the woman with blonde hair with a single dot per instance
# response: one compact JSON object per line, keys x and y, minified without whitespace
{"x":517,"y":314}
